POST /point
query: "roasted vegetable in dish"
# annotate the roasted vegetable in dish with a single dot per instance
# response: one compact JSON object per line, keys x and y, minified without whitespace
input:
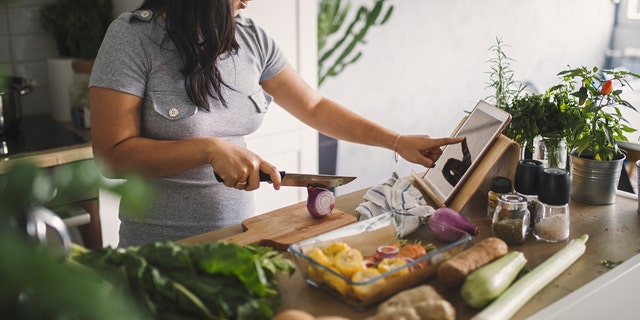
{"x":207,"y":281}
{"x":349,"y":264}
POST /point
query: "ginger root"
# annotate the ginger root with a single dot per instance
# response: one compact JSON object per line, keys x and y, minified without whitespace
{"x":419,"y":303}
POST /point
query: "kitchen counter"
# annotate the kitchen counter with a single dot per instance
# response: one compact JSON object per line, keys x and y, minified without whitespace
{"x":614,"y":234}
{"x":37,"y":142}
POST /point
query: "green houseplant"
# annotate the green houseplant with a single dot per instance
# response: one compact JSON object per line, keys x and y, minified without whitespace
{"x":536,"y":117}
{"x":77,"y":25}
{"x":338,"y":42}
{"x":336,"y":52}
{"x":600,"y":105}
{"x":596,"y":159}
{"x":544,"y":121}
{"x":37,"y":284}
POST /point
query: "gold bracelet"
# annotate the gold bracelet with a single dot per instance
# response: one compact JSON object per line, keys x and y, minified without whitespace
{"x":395,"y":148}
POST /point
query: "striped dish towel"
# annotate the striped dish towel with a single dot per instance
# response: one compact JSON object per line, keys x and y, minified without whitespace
{"x":402,"y":199}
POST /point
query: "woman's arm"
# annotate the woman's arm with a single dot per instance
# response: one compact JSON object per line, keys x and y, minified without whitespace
{"x":294,"y":95}
{"x":115,"y":137}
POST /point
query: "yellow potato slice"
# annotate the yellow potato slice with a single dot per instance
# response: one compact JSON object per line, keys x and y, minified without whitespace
{"x":348,"y":262}
{"x":388,"y":264}
{"x":366,"y":291}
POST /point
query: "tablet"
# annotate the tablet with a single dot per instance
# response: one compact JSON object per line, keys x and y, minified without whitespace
{"x":481,"y":129}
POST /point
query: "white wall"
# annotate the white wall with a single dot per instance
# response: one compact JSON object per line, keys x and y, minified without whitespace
{"x":428,"y":64}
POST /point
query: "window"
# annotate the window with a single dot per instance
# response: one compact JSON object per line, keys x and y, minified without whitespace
{"x":633,"y":9}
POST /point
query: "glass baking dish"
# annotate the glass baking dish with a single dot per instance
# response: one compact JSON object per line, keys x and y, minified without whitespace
{"x":367,"y":237}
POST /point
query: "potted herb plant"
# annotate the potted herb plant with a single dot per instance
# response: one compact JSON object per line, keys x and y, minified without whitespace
{"x":543,"y":124}
{"x":596,"y":159}
{"x":540,"y":122}
{"x":78,"y":27}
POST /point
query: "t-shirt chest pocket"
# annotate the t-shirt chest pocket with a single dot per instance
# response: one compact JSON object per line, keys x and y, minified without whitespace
{"x":173,"y":106}
{"x":261,"y":100}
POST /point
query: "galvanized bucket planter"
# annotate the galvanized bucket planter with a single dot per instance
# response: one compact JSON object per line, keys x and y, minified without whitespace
{"x":595,"y":182}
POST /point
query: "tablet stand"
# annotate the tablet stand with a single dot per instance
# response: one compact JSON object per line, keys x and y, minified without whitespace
{"x":500,"y":160}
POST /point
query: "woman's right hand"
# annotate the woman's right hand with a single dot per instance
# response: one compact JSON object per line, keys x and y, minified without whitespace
{"x":240,"y":168}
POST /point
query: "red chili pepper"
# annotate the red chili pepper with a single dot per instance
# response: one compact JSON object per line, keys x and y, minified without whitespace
{"x":607,"y":87}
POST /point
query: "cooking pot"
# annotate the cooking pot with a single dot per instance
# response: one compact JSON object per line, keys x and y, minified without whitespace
{"x":11,"y":90}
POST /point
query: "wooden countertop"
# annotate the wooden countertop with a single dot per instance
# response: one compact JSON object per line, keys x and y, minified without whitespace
{"x":614,"y":234}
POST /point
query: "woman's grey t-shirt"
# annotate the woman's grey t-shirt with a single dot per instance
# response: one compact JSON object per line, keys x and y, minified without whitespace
{"x":138,"y":58}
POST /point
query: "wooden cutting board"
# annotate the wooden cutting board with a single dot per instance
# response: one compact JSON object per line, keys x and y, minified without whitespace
{"x":283,"y":227}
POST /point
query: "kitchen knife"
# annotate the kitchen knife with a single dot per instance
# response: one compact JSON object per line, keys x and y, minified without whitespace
{"x":305,"y":180}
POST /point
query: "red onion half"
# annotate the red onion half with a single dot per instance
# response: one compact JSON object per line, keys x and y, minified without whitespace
{"x":387,"y":251}
{"x":320,"y":201}
{"x":447,"y":224}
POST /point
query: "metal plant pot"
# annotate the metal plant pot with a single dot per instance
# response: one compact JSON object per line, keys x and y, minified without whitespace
{"x":595,"y":182}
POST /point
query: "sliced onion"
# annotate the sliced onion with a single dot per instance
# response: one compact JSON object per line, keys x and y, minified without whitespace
{"x":320,"y":201}
{"x":448,"y":225}
{"x":368,"y":264}
{"x":387,"y":251}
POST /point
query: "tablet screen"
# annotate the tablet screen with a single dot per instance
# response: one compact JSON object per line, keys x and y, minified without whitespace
{"x":481,"y":129}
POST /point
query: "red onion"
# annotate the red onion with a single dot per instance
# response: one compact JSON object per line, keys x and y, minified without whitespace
{"x":387,"y":251}
{"x":320,"y":201}
{"x":447,"y":224}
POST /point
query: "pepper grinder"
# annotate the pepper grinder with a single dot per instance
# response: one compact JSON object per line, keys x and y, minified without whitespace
{"x":552,"y":214}
{"x":526,"y":183}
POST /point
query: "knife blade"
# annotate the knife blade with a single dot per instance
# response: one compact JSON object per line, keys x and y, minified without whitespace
{"x":305,"y":180}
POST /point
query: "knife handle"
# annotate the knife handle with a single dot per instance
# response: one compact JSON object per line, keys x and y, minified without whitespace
{"x":263,"y":176}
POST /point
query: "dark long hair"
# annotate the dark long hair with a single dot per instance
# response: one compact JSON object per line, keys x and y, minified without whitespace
{"x":202,"y":31}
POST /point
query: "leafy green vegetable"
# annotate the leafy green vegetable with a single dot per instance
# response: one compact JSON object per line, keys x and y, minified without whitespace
{"x":610,"y":263}
{"x":207,"y":281}
{"x":37,"y":284}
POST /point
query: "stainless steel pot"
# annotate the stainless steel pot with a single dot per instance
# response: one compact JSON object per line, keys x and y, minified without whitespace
{"x":11,"y":91}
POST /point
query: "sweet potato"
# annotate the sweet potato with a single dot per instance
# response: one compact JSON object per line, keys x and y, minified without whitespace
{"x":452,"y":272}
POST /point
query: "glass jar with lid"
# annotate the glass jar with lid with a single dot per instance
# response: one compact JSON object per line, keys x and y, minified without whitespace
{"x":552,"y":215}
{"x":511,"y":219}
{"x":499,"y":186}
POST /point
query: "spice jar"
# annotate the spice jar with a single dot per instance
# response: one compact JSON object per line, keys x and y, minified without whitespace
{"x":511,"y":219}
{"x":499,"y":186}
{"x":526,"y":183}
{"x":552,"y":214}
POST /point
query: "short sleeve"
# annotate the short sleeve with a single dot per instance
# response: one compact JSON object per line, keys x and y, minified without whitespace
{"x":272,"y":59}
{"x":121,"y":62}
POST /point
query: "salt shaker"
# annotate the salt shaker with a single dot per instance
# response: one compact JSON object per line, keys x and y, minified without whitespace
{"x":511,"y":219}
{"x":552,"y":214}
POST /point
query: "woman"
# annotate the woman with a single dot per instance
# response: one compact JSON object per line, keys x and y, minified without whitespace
{"x":175,"y":88}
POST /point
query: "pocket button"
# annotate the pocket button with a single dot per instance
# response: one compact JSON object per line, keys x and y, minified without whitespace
{"x":173,"y":112}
